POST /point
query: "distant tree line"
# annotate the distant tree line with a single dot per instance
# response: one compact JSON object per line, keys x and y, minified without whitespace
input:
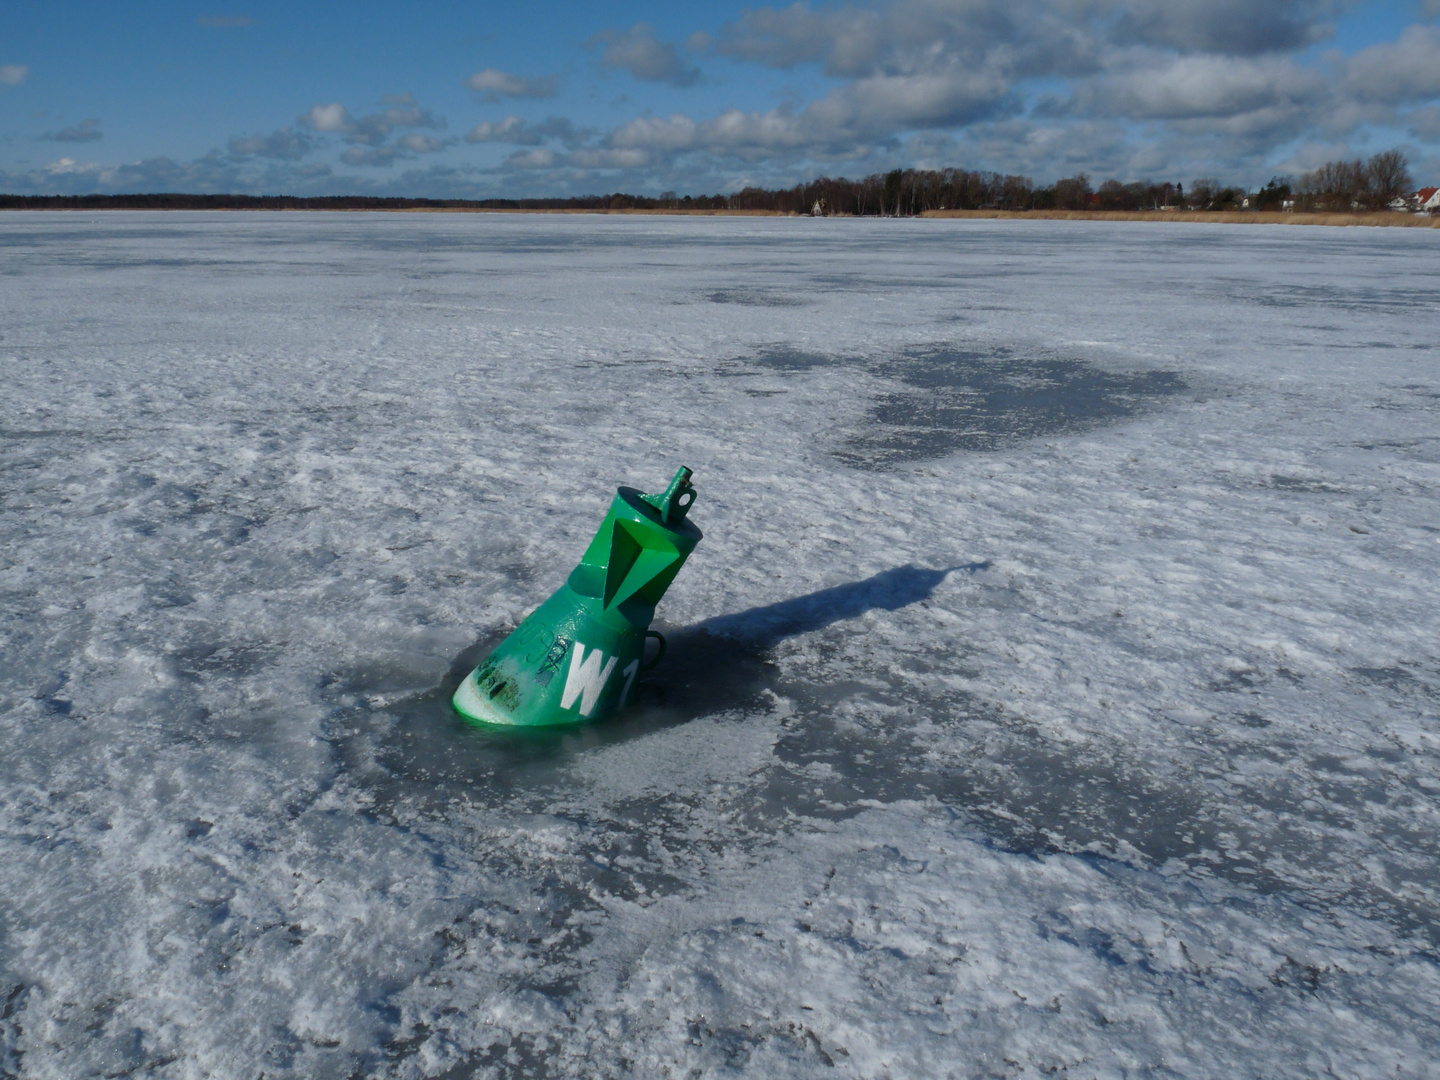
{"x":1345,"y":185}
{"x":1336,"y":185}
{"x":1341,"y":185}
{"x":907,"y":192}
{"x":175,"y":201}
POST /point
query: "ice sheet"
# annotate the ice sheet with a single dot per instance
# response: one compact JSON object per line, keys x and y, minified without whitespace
{"x":1055,"y":688}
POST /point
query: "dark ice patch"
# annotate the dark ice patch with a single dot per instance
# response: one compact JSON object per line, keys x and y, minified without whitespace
{"x":753,"y":298}
{"x":1393,"y":677}
{"x":201,"y":658}
{"x":964,"y":400}
{"x":1398,"y":297}
{"x":1410,"y":681}
{"x":1303,"y":484}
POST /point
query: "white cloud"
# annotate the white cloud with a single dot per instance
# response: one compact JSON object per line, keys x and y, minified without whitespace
{"x":639,"y":52}
{"x":609,"y":158}
{"x":841,"y":123}
{"x":421,"y":144}
{"x":1425,"y":123}
{"x":372,"y":156}
{"x":216,"y":171}
{"x":69,"y":166}
{"x":369,"y":135}
{"x":375,"y":128}
{"x":668,"y":133}
{"x":510,"y":130}
{"x":13,"y":74}
{"x":286,"y":144}
{"x":796,"y":35}
{"x":327,"y":118}
{"x":1227,"y":27}
{"x":493,"y":84}
{"x":1054,"y":36}
{"x":532,"y":159}
{"x":520,"y":132}
{"x":85,"y":131}
{"x":1407,"y":69}
{"x":1268,"y":96}
{"x":587,"y":158}
{"x":1017,"y":37}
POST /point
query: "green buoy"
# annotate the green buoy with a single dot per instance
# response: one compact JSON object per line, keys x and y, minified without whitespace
{"x":576,"y":657}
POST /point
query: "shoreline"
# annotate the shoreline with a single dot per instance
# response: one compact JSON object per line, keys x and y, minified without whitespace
{"x":1373,"y":219}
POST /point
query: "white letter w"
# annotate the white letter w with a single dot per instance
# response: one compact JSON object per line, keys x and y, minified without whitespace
{"x":586,"y":679}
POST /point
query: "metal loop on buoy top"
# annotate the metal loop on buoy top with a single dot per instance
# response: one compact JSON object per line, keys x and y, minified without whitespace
{"x":669,"y":504}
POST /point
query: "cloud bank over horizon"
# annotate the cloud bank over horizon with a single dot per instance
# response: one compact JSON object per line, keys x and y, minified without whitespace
{"x":773,"y":95}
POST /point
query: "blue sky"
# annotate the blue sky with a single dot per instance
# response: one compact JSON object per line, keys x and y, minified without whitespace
{"x":472,"y":100}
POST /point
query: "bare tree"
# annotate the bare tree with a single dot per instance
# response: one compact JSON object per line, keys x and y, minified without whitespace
{"x":1112,"y":196}
{"x":1389,"y":176}
{"x":1336,"y":185}
{"x":1073,"y":193}
{"x":1203,"y":192}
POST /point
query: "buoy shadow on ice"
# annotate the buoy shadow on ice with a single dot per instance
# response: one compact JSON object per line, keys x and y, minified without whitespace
{"x":889,"y":590}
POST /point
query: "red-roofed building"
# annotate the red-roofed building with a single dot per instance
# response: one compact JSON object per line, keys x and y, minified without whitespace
{"x":1427,"y":198}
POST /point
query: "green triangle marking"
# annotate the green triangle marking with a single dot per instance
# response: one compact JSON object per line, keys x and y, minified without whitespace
{"x":635,"y":561}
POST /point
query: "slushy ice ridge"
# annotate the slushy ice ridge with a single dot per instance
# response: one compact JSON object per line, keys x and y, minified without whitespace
{"x":1055,"y":692}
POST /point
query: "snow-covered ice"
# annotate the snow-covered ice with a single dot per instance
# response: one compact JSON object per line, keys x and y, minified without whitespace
{"x":1056,"y":690}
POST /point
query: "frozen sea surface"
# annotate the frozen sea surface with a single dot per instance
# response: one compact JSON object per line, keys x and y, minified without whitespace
{"x":1056,"y":691}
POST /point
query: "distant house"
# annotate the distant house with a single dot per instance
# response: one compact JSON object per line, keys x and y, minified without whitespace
{"x":1427,"y":199}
